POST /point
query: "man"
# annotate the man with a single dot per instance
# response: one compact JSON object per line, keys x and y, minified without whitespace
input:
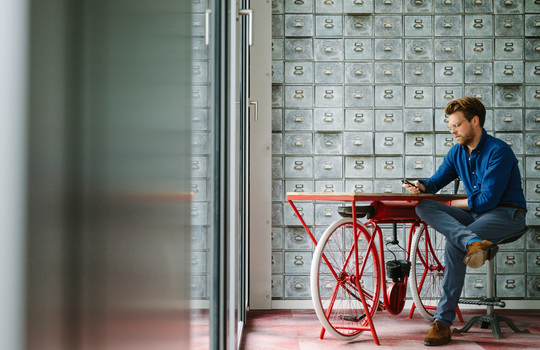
{"x":495,"y":206}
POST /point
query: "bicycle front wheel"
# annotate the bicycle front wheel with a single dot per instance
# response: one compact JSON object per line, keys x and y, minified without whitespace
{"x":336,"y":290}
{"x":427,"y":270}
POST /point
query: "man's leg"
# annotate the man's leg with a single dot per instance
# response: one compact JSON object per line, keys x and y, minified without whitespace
{"x":451,"y":222}
{"x":454,"y":277}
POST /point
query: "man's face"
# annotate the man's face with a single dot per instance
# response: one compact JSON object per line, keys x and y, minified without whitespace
{"x":461,"y":128}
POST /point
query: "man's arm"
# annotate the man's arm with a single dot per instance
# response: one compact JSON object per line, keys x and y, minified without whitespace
{"x":460,"y":203}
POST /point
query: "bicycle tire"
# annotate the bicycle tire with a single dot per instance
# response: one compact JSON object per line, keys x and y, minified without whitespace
{"x":427,"y":271}
{"x":336,"y":298}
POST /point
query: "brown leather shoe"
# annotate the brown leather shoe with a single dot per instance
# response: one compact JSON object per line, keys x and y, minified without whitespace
{"x":438,"y":335}
{"x":479,"y":252}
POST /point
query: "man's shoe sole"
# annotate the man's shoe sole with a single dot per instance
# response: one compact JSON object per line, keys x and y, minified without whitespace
{"x":426,"y":343}
{"x":478,"y":259}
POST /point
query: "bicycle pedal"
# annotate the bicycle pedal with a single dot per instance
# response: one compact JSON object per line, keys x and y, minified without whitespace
{"x":352,"y":318}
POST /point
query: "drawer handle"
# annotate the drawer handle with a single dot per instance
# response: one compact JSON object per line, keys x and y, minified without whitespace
{"x":448,"y":2}
{"x":537,"y":47}
{"x":299,"y":165}
{"x":389,"y":118}
{"x":329,"y":96}
{"x":298,"y":118}
{"x":508,"y":3}
{"x":298,"y":48}
{"x":359,"y":188}
{"x":195,"y":165}
{"x":358,"y":141}
{"x":329,"y":25}
{"x":449,"y":143}
{"x":510,"y":284}
{"x":389,"y":165}
{"x":418,"y":24}
{"x":298,"y":142}
{"x":194,"y":260}
{"x":298,"y":285}
{"x":358,"y":94}
{"x":510,"y":260}
{"x":328,"y":143}
{"x":298,"y":260}
{"x":328,"y":49}
{"x":388,"y":71}
{"x":509,"y":141}
{"x":358,"y":2}
{"x":419,"y":95}
{"x":298,"y":70}
{"x":328,"y":166}
{"x":299,"y":2}
{"x":360,"y":165}
{"x":508,"y":118}
{"x":537,"y":23}
{"x":388,"y":2}
{"x":508,"y":23}
{"x":358,"y":72}
{"x":359,"y":118}
{"x":419,"y":165}
{"x":419,"y":2}
{"x":509,"y":47}
{"x":328,"y":119}
{"x":508,"y":96}
{"x":478,"y":95}
{"x":418,"y":71}
{"x":388,"y":24}
{"x":448,"y":47}
{"x":537,"y":213}
{"x":479,"y":284}
{"x":299,"y":94}
{"x":358,"y":47}
{"x":537,"y":94}
{"x":387,"y":188}
{"x":329,"y":286}
{"x":300,"y":211}
{"x":478,"y":70}
{"x":359,"y":25}
{"x":298,"y":237}
{"x":448,"y":71}
{"x":388,"y":47}
{"x":478,"y":47}
{"x":419,"y":142}
{"x":328,"y":211}
{"x":388,"y":94}
{"x":478,"y":23}
{"x":448,"y":23}
{"x":298,"y":23}
{"x":508,"y":71}
{"x":478,"y":2}
{"x":328,"y":71}
{"x":328,"y":188}
{"x":418,"y":48}
{"x":388,"y":141}
{"x":417,"y":118}
{"x":538,"y":260}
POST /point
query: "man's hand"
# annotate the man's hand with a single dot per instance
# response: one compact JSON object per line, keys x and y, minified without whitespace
{"x":415,"y":190}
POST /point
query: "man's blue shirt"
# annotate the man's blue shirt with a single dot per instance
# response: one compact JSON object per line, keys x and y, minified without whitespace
{"x":490,"y":174}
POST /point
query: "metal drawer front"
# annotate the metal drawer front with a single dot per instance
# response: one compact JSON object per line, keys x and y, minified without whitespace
{"x":356,"y":143}
{"x":448,"y":6}
{"x":305,"y":210}
{"x":508,"y":119}
{"x":388,"y":96}
{"x":358,"y":25}
{"x":358,"y":119}
{"x":359,"y":96}
{"x":418,"y":120}
{"x":509,"y":25}
{"x":508,"y":96}
{"x":326,"y":214}
{"x":479,"y":50}
{"x":300,"y":6}
{"x":418,"y":96}
{"x":299,"y":186}
{"x":478,"y":6}
{"x":329,"y":72}
{"x":298,"y":143}
{"x":532,"y":72}
{"x":508,"y":72}
{"x":448,"y":25}
{"x":532,"y":143}
{"x":515,"y":141}
{"x":358,"y":49}
{"x":478,"y":25}
{"x":328,"y":50}
{"x":388,"y":49}
{"x":328,"y":186}
{"x":328,"y":119}
{"x":418,"y":73}
{"x":418,"y":49}
{"x":532,"y":25}
{"x":298,"y":72}
{"x":418,"y":167}
{"x":300,"y":96}
{"x":478,"y":72}
{"x":328,"y":167}
{"x":329,"y":6}
{"x":532,"y":49}
{"x":297,"y":262}
{"x":510,"y":262}
{"x":326,"y":143}
{"x":298,"y":167}
{"x":297,"y":238}
{"x":277,"y":119}
{"x":417,"y":25}
{"x":419,"y":144}
{"x":388,"y":120}
{"x":389,"y":26}
{"x":298,"y":49}
{"x":418,"y":6}
{"x":329,"y":26}
{"x":532,"y":96}
{"x":298,"y":119}
{"x":388,"y":72}
{"x":359,"y":186}
{"x":484,"y":94}
{"x":532,"y":119}
{"x":299,"y":25}
{"x":509,"y":49}
{"x":505,"y":6}
{"x":358,"y":73}
{"x":358,"y":6}
{"x":510,"y":286}
{"x":448,"y":49}
{"x":388,"y":167}
{"x":297,"y":287}
{"x":388,"y":143}
{"x":359,"y":167}
{"x":388,"y":6}
{"x":445,"y":94}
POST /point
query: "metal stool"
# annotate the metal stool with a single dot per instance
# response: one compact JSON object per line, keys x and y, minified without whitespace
{"x":490,"y":318}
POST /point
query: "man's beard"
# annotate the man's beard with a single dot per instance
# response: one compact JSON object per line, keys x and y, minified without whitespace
{"x":465,"y":139}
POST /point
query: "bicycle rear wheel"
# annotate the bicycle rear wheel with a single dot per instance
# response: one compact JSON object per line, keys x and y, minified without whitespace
{"x":334,"y":284}
{"x":427,"y":270}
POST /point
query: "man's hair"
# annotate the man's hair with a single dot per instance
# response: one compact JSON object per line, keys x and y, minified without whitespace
{"x":470,"y":107}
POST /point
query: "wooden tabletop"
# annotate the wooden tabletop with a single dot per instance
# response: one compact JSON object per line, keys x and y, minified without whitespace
{"x":366,"y":197}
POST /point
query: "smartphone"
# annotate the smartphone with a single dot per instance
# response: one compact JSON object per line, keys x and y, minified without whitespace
{"x":405,"y":181}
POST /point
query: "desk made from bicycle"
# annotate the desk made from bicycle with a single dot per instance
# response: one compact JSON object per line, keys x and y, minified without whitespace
{"x":348,"y":272}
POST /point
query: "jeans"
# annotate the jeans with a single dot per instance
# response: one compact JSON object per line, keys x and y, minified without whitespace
{"x":459,"y":226}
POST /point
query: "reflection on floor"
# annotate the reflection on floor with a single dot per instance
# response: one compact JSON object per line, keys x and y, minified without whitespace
{"x":299,"y":329}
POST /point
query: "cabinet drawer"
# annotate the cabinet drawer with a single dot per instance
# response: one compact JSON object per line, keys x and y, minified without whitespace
{"x":515,"y":141}
{"x":388,"y":49}
{"x":358,"y":25}
{"x":478,"y":50}
{"x":328,"y":167}
{"x":532,"y":96}
{"x":508,"y":119}
{"x":419,"y":167}
{"x":388,"y":96}
{"x":299,"y":25}
{"x":418,"y":120}
{"x":418,"y":49}
{"x":445,"y":94}
{"x":359,"y":167}
{"x":359,"y":96}
{"x":298,"y":72}
{"x":328,"y":119}
{"x":298,"y":49}
{"x":358,"y":49}
{"x":418,"y":73}
{"x":448,"y":72}
{"x":448,"y":25}
{"x":358,"y":73}
{"x":509,"y":25}
{"x":532,"y":25}
{"x":298,"y":167}
{"x":532,"y":143}
{"x":388,"y":120}
{"x":297,"y":238}
{"x":419,"y":144}
{"x":328,"y":49}
{"x":328,"y":72}
{"x":328,"y":186}
{"x":417,"y":25}
{"x":326,"y":214}
{"x":478,"y":25}
{"x":448,"y":49}
{"x":388,"y":143}
{"x":326,"y":143}
{"x":328,"y":26}
{"x":358,"y":119}
{"x":532,"y":119}
{"x":510,"y":286}
{"x":388,"y":167}
{"x":483,"y":93}
{"x":300,"y":96}
{"x":359,"y":186}
{"x":389,"y":26}
{"x":299,"y":186}
{"x":304,"y":209}
{"x":297,"y":287}
{"x":298,"y":119}
{"x":508,"y":49}
{"x":329,"y":6}
{"x":388,"y":72}
{"x":418,"y":96}
{"x":510,"y":262}
{"x":508,"y":72}
{"x":478,"y":72}
{"x":328,"y":96}
{"x":357,"y":143}
{"x":298,"y":143}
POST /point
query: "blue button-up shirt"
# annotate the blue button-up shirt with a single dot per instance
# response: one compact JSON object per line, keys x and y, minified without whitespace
{"x":490,"y":174}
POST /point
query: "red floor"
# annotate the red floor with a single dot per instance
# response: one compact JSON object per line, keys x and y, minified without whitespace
{"x":299,"y":329}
